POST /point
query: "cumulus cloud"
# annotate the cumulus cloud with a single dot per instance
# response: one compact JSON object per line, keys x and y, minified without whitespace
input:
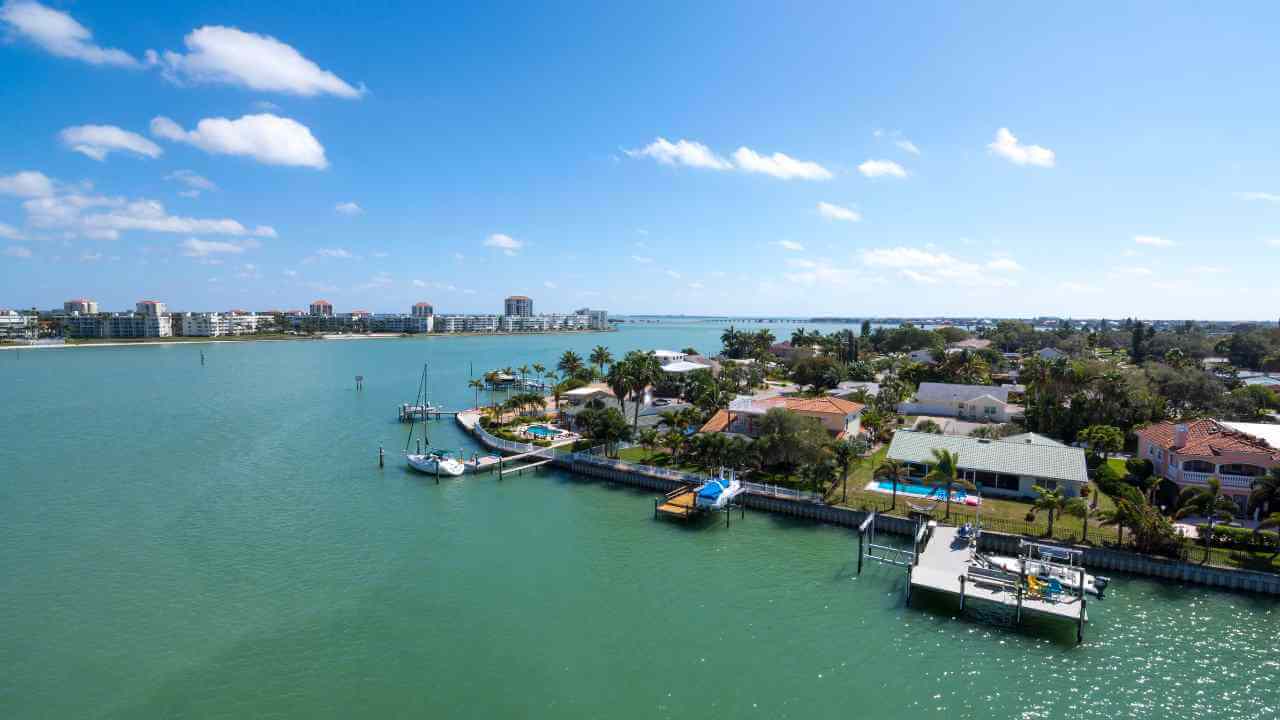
{"x":838,"y":212}
{"x":9,"y":232}
{"x":348,"y":208}
{"x":673,"y":275}
{"x":1153,"y":241}
{"x":930,"y":267}
{"x":26,"y":184}
{"x":17,"y":251}
{"x":549,"y":285}
{"x":1076,"y":287}
{"x":779,"y":165}
{"x":1263,"y":196}
{"x":642,"y":259}
{"x":506,"y":243}
{"x":907,"y":146}
{"x":1004,"y":265}
{"x":789,"y":245}
{"x":264,"y":137}
{"x":151,"y":216}
{"x":97,"y":141}
{"x":195,"y":247}
{"x":340,"y":253}
{"x":60,"y":34}
{"x":696,"y":286}
{"x":882,"y":168}
{"x":195,"y":183}
{"x":681,"y":152}
{"x":230,"y":56}
{"x":1006,"y":145}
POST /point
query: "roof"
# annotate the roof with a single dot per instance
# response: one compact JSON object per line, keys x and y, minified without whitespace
{"x":587,"y":390}
{"x":1050,"y":353}
{"x":1207,"y":438}
{"x":321,"y":302}
{"x":1266,"y":432}
{"x":1051,"y":462}
{"x":668,"y":353}
{"x":827,"y":405}
{"x":684,"y":366}
{"x":422,"y":304}
{"x":517,"y":297}
{"x":1033,"y":439}
{"x":947,"y":392}
{"x":717,"y":423}
{"x":972,"y":344}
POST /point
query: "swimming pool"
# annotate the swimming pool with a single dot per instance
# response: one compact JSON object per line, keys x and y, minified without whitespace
{"x":543,"y":432}
{"x":920,"y":490}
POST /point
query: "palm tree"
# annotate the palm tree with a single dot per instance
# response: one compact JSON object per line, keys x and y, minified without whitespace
{"x":846,"y":452}
{"x":619,"y":383}
{"x":946,"y":474}
{"x":1050,"y":501}
{"x":1206,"y":502}
{"x":476,"y":384}
{"x":1265,"y":493}
{"x":642,"y":370}
{"x":672,"y":440}
{"x":539,"y":370}
{"x":1270,"y":521}
{"x":897,"y":471}
{"x":600,"y":357}
{"x":649,"y":440}
{"x":1079,"y":507}
{"x":570,"y":363}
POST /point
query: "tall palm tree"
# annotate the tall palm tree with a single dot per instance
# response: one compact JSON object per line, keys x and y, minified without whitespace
{"x":945,"y":474}
{"x":539,"y":370}
{"x":600,"y":356}
{"x":524,"y":373}
{"x":1265,"y":492}
{"x":1079,"y":507}
{"x":643,"y":370}
{"x":897,"y":472}
{"x":570,"y":363}
{"x":619,"y":382}
{"x":673,"y":440}
{"x":476,"y":384}
{"x":846,"y":453}
{"x":1207,"y":502}
{"x":649,"y":440}
{"x":1050,"y":501}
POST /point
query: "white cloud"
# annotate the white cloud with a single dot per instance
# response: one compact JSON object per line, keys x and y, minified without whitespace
{"x":151,"y":216}
{"x":87,"y":256}
{"x":506,"y":243}
{"x":290,"y":273}
{"x":549,"y":285}
{"x":348,"y":208}
{"x":1264,"y":196}
{"x":60,"y":34}
{"x":9,"y":232}
{"x":783,"y":167}
{"x":1006,"y":145}
{"x":27,"y":184}
{"x":227,"y":55}
{"x":696,"y":286}
{"x":1004,"y":265}
{"x":838,"y":212}
{"x":801,"y":263}
{"x":17,"y":251}
{"x":265,"y":137}
{"x":1075,"y":287}
{"x":340,"y":253}
{"x":681,"y":152}
{"x":195,"y":247}
{"x":97,"y":141}
{"x":419,"y":283}
{"x":1153,"y":241}
{"x":907,"y":146}
{"x":459,"y":256}
{"x":642,"y":259}
{"x":791,"y":245}
{"x":882,"y":168}
{"x":1133,"y":271}
{"x":194,"y":182}
{"x":1274,"y":242}
{"x":673,"y":274}
{"x":928,"y":267}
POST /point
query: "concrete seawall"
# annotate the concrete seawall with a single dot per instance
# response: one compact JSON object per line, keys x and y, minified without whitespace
{"x":999,"y":543}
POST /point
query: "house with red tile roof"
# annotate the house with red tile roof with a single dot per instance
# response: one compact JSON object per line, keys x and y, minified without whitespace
{"x":1191,"y":452}
{"x":842,"y":418}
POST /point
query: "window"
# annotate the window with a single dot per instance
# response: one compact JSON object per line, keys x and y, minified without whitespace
{"x":1241,"y":469}
{"x":1008,"y":482}
{"x":1199,"y":466}
{"x":1048,"y":484}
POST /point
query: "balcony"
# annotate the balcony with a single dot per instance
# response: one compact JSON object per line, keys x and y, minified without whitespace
{"x":1239,"y":482}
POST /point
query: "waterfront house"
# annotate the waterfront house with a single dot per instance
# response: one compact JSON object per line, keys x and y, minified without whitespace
{"x":841,"y":418}
{"x":1190,"y":452}
{"x":1008,"y":468}
{"x":967,"y":402}
{"x":969,"y":344}
{"x":1050,"y":354}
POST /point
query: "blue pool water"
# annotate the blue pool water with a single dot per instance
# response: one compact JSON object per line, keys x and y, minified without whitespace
{"x":542,"y":431}
{"x":920,"y":490}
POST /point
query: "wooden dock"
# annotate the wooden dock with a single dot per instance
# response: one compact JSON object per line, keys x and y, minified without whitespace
{"x":945,"y":566}
{"x":680,"y":503}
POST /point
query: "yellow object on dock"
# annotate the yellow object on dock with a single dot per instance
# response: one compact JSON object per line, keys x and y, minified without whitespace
{"x":680,"y":503}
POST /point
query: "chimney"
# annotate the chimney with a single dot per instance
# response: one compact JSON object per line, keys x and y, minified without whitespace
{"x":1179,"y":436}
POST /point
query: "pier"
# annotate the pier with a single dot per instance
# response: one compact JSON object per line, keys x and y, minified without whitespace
{"x":680,"y":503}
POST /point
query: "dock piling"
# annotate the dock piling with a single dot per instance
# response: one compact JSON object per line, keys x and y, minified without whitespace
{"x":962,"y":594}
{"x":380,"y":456}
{"x":1080,"y":621}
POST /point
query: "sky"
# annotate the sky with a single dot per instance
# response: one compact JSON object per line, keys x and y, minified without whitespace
{"x":892,"y":159}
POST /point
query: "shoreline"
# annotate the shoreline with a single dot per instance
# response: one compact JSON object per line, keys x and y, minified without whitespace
{"x":146,"y":342}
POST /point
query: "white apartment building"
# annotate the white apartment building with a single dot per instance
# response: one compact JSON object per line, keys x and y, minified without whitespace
{"x":84,"y":306}
{"x":212,"y":324}
{"x":16,"y":325}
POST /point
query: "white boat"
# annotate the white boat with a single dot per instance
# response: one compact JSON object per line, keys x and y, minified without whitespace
{"x":716,"y":494}
{"x":1068,"y":578}
{"x":436,"y":461}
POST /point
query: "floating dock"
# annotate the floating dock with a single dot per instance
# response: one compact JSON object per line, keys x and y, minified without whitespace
{"x":681,"y":503}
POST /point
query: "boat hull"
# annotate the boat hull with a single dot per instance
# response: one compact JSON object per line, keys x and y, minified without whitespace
{"x":432,"y":464}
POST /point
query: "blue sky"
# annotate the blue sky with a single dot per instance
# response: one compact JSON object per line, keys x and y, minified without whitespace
{"x":732,"y":159}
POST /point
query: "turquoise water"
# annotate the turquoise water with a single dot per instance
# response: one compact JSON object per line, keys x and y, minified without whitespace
{"x":218,"y":542}
{"x":541,"y":431}
{"x":921,"y":490}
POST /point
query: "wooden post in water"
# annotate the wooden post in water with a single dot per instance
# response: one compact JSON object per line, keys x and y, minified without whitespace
{"x":908,"y":586}
{"x":962,"y":593}
{"x":380,"y":454}
{"x":1080,"y":620}
{"x":861,"y":537}
{"x":1018,"y":617}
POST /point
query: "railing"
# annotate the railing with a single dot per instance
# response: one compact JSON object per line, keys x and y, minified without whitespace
{"x":503,"y":444}
{"x":1227,"y":481}
{"x":785,"y":493}
{"x":775,"y":491}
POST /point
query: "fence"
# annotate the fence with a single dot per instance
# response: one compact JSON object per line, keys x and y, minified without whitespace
{"x":503,"y":444}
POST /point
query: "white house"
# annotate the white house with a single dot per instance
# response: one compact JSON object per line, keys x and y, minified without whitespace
{"x":967,"y":402}
{"x":1009,"y":467}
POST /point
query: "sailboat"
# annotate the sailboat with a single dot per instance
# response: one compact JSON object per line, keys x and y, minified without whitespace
{"x":433,"y":461}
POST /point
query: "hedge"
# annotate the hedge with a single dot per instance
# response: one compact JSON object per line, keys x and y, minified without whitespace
{"x":1236,"y":538}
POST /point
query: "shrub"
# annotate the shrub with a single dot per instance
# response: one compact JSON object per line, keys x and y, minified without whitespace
{"x":1234,"y":538}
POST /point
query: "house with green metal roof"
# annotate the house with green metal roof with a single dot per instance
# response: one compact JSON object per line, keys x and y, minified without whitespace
{"x":1008,"y":468}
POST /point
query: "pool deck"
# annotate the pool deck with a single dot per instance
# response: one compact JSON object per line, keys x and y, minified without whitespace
{"x":946,"y":558}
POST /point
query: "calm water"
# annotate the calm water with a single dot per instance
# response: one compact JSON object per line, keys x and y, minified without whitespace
{"x":217,"y":541}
